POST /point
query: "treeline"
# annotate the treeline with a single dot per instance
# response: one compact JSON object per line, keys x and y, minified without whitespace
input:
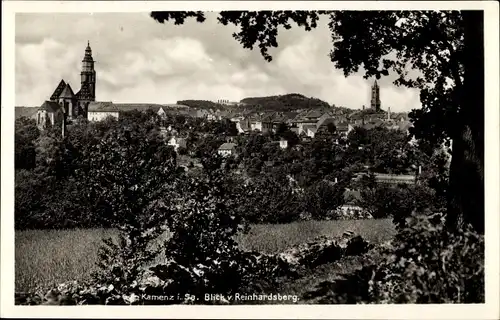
{"x":201,"y":104}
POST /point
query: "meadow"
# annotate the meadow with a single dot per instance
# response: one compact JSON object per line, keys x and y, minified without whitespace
{"x":47,"y":257}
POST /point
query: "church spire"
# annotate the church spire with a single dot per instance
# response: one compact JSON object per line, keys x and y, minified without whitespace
{"x":375,"y":99}
{"x":88,"y":74}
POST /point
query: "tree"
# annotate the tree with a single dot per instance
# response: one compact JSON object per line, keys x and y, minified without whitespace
{"x":271,"y":199}
{"x":26,"y":133}
{"x":445,"y":47}
{"x":130,"y":176}
{"x":323,"y":197}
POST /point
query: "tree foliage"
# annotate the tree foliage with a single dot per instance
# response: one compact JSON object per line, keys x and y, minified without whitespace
{"x":26,"y":133}
{"x":286,"y":102}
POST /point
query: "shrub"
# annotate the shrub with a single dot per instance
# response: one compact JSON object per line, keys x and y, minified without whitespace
{"x":323,"y":197}
{"x":428,"y":264}
{"x":398,"y":203}
{"x":271,"y":199}
{"x":26,"y":133}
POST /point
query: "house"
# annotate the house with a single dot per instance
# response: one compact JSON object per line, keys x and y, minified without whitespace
{"x":243,"y":126}
{"x":267,"y":122}
{"x":352,"y":199}
{"x":344,"y":128}
{"x":295,"y":130}
{"x":313,"y":115}
{"x":283,"y":144}
{"x":324,"y":117}
{"x":98,"y":111}
{"x":310,"y":130}
{"x":310,"y":118}
{"x":177,"y":143}
{"x":210,"y":115}
{"x":289,"y":116}
{"x":300,"y":122}
{"x":323,"y":128}
{"x":255,"y":123}
{"x":351,"y":208}
{"x":227,"y":149}
{"x":235,"y":117}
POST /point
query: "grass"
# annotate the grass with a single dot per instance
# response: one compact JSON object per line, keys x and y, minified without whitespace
{"x":47,"y":257}
{"x":272,"y":238}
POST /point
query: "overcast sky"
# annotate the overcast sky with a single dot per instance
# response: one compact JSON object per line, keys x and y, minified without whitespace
{"x":140,"y":60}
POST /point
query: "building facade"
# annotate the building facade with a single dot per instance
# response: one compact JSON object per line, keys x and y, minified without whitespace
{"x":99,"y":111}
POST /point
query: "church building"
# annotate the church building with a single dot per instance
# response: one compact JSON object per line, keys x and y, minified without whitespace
{"x":375,"y":101}
{"x":64,"y":103}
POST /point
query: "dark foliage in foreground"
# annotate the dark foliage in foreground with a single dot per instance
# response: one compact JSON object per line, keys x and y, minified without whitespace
{"x":425,"y":263}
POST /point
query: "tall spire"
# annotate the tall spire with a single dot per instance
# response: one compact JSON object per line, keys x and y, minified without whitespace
{"x":88,"y":53}
{"x":375,"y":97}
{"x":88,"y":74}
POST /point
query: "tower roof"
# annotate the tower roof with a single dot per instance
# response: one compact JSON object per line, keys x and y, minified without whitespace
{"x":88,"y":53}
{"x":59,"y":89}
{"x":67,"y":92}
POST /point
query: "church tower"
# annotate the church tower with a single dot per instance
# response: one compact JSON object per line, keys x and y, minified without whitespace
{"x":375,"y":101}
{"x":88,"y":75}
{"x":88,"y":78}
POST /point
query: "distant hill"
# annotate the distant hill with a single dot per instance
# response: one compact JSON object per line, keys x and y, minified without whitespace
{"x":146,"y":106}
{"x":200,"y":104}
{"x":287,"y":102}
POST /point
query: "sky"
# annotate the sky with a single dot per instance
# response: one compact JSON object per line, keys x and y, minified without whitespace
{"x":139,"y":60}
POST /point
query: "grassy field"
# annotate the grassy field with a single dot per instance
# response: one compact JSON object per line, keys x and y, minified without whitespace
{"x":44,"y":258}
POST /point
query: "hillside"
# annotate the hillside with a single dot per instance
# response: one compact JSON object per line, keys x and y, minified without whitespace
{"x":201,"y":104}
{"x":287,"y":102}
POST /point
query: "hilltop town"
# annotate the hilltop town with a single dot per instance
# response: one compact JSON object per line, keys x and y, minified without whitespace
{"x":304,"y":115}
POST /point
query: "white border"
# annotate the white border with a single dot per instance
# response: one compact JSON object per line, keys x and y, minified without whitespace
{"x":489,"y":310}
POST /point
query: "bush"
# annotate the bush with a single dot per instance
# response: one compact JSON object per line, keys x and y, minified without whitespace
{"x":398,"y":203}
{"x":322,"y":198}
{"x":271,"y":199}
{"x":428,"y":264}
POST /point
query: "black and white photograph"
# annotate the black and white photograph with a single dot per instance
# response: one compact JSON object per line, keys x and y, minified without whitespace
{"x":238,"y":156}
